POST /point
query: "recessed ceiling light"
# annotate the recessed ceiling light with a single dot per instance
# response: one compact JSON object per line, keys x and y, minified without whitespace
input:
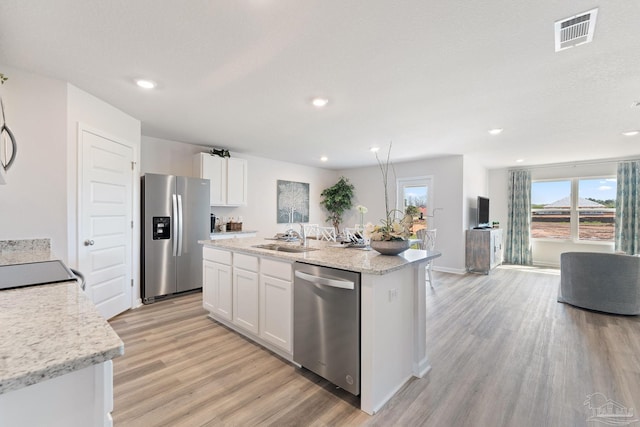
{"x":631,"y":133}
{"x":374,"y":149}
{"x":495,"y":131}
{"x":319,"y":102}
{"x":519,"y":160}
{"x":146,"y":84}
{"x":324,"y":158}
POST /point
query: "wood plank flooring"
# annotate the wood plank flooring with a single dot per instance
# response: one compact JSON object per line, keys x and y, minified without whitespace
{"x":503,"y":353}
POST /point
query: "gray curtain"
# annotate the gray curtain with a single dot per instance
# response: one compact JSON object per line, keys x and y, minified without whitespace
{"x":628,"y":207}
{"x":518,"y":244}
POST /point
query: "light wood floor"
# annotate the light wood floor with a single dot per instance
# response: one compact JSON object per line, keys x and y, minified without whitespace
{"x":503,"y":353}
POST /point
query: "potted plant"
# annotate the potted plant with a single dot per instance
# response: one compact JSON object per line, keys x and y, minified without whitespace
{"x":392,"y":236}
{"x":337,"y":200}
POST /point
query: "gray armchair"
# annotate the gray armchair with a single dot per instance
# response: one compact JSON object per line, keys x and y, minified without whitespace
{"x":600,"y":281}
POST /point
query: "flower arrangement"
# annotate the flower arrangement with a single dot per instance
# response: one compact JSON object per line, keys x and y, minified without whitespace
{"x":390,"y":227}
{"x":363,"y":210}
{"x":3,"y":78}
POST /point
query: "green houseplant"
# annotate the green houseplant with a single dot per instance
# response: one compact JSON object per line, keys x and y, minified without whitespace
{"x":337,"y":200}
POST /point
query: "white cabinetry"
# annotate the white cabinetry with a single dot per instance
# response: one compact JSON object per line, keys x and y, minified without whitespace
{"x":228,"y":178}
{"x":252,"y":295}
{"x":217,"y":290}
{"x":276,"y":303}
{"x":245,"y":292}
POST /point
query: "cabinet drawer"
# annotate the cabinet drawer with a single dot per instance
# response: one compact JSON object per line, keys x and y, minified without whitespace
{"x":216,"y":255}
{"x":246,"y":262}
{"x":279,"y":269}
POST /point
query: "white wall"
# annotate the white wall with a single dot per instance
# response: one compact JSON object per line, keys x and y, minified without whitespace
{"x":498,"y":191}
{"x":475,"y":184}
{"x":167,"y":157}
{"x":547,"y":252}
{"x":447,"y":175}
{"x":176,"y":158}
{"x":33,"y":204}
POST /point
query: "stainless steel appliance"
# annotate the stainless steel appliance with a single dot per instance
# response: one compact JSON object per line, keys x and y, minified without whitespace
{"x":175,"y":213}
{"x":213,"y":223}
{"x":36,"y":273}
{"x":326,"y":326}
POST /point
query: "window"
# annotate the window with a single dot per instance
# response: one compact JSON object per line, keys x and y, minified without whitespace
{"x":551,"y":210}
{"x":596,"y":209}
{"x":573,"y":209}
{"x":414,"y":197}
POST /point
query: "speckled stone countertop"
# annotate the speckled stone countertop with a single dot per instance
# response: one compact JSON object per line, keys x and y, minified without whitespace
{"x":25,"y":251}
{"x":330,"y":254}
{"x":49,"y":330}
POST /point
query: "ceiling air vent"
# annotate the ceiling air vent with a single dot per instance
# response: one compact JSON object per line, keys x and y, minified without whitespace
{"x":575,"y":30}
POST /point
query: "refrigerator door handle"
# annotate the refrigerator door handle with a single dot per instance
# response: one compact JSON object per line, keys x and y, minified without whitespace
{"x":180,"y":225}
{"x":176,"y":231}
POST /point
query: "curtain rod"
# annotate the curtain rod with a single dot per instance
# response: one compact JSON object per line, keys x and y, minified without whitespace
{"x":574,"y":164}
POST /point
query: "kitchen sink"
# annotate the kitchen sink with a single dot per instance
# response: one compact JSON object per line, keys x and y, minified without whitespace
{"x":285,"y":248}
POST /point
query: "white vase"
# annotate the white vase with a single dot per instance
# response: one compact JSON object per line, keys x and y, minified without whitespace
{"x":389,"y":247}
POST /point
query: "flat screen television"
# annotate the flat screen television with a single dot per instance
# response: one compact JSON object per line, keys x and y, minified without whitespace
{"x":483,"y":212}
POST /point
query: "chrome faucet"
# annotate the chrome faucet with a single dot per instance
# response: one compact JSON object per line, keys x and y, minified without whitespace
{"x":303,"y":236}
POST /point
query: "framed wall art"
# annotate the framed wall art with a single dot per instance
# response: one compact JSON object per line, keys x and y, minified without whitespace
{"x":292,"y":202}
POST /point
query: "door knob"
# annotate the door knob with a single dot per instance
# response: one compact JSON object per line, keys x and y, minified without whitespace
{"x":89,"y":242}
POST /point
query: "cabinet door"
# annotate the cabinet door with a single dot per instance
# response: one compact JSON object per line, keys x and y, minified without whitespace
{"x":496,"y":244}
{"x":275,"y":311}
{"x":236,"y":181}
{"x":217,"y":290}
{"x":245,"y":299}
{"x":215,"y":170}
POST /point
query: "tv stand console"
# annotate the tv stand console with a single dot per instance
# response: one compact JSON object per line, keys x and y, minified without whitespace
{"x":484,"y":249}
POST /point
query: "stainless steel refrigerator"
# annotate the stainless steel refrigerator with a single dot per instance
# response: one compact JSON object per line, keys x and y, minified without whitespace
{"x":176,"y":214}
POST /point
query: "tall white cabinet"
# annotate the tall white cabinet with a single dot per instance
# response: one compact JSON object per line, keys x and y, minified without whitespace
{"x":228,"y":178}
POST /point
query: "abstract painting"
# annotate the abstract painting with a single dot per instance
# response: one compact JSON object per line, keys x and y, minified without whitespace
{"x":293,"y":202}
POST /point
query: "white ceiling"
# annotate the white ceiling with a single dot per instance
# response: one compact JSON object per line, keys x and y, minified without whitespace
{"x":431,"y":76}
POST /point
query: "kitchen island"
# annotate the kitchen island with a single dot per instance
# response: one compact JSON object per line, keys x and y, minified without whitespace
{"x":55,"y":353}
{"x":392,"y":304}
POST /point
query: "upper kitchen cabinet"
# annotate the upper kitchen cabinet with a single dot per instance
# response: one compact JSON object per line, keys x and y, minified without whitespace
{"x":228,"y":178}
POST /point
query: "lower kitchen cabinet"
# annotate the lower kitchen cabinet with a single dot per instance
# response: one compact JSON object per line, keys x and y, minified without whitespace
{"x":245,"y":292}
{"x":217,"y":289}
{"x":252,"y":295}
{"x":275,"y":311}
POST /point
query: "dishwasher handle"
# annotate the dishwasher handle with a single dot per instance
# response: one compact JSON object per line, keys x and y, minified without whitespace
{"x":319,"y":280}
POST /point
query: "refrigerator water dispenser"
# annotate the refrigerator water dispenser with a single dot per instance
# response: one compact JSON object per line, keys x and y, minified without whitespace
{"x":161,"y":227}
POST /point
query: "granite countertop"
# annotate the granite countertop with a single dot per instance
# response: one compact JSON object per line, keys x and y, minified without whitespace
{"x":25,"y":251}
{"x":330,"y":254}
{"x":49,"y":330}
{"x":222,"y":233}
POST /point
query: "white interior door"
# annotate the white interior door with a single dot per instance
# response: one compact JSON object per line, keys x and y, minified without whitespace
{"x":105,"y":219}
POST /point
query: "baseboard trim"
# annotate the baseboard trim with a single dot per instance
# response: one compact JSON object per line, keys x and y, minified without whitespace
{"x":449,"y":270}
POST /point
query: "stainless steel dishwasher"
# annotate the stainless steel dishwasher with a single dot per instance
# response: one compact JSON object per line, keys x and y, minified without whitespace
{"x":326,"y":323}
